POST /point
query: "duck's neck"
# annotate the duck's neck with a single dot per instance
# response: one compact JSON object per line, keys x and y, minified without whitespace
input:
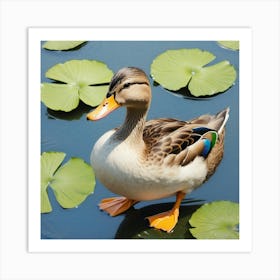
{"x":133,"y":126}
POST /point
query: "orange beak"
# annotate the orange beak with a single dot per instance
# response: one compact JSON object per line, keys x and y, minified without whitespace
{"x":106,"y":107}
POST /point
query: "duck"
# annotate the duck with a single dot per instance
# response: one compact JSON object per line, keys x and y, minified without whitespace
{"x":149,"y":160}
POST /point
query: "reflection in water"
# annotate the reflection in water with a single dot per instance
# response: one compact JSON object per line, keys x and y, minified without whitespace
{"x":76,"y":114}
{"x":135,"y":226}
{"x":49,"y":143}
{"x":185,"y":93}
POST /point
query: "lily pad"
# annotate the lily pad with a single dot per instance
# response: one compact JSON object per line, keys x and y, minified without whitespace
{"x":232,"y":45}
{"x":71,"y":183}
{"x":62,"y":97}
{"x":86,"y":80}
{"x":216,"y":220}
{"x":175,"y":69}
{"x":62,"y":45}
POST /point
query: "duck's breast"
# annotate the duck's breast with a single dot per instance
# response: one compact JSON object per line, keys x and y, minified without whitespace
{"x":123,"y":171}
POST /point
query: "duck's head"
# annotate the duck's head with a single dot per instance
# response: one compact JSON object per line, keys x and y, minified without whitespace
{"x":129,"y":87}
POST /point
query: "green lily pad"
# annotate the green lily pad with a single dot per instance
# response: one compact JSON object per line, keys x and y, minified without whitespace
{"x":71,"y":183}
{"x":175,"y":69}
{"x":86,"y":80}
{"x":232,"y":45}
{"x":216,"y":220}
{"x":62,"y":45}
{"x":61,"y":97}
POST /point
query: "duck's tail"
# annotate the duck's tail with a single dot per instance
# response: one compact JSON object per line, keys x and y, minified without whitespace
{"x":216,"y":122}
{"x":220,"y":120}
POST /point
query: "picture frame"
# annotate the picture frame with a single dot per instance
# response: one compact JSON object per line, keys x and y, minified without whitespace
{"x":17,"y":17}
{"x":36,"y":35}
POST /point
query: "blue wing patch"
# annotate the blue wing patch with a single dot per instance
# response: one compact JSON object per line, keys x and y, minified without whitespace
{"x":209,"y":140}
{"x":207,"y":147}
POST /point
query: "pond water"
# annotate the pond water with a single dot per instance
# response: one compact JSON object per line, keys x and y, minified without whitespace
{"x":72,"y":134}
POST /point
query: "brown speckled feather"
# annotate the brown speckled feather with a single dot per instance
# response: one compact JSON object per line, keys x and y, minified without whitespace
{"x":175,"y":143}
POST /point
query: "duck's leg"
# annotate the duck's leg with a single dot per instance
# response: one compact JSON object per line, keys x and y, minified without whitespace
{"x":116,"y":205}
{"x":167,"y":220}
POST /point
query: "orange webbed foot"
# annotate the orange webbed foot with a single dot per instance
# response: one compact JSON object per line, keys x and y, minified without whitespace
{"x":167,"y":220}
{"x":116,"y":205}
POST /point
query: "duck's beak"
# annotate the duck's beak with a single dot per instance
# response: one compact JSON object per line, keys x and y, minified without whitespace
{"x":108,"y":105}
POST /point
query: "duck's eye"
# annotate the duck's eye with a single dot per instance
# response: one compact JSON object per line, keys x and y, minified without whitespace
{"x":126,"y":85}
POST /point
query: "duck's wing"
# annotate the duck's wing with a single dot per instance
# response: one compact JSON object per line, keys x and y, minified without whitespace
{"x":155,"y":130}
{"x":175,"y":142}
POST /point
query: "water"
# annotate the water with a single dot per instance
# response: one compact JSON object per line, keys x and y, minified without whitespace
{"x":73,"y":134}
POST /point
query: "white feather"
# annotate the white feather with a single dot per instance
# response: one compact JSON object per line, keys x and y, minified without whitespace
{"x":129,"y":176}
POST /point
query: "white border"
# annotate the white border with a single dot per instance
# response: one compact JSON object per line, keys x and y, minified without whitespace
{"x":263,"y":16}
{"x":163,"y":33}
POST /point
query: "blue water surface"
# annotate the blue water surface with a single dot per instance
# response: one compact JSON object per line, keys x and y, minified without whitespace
{"x":72,"y":134}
